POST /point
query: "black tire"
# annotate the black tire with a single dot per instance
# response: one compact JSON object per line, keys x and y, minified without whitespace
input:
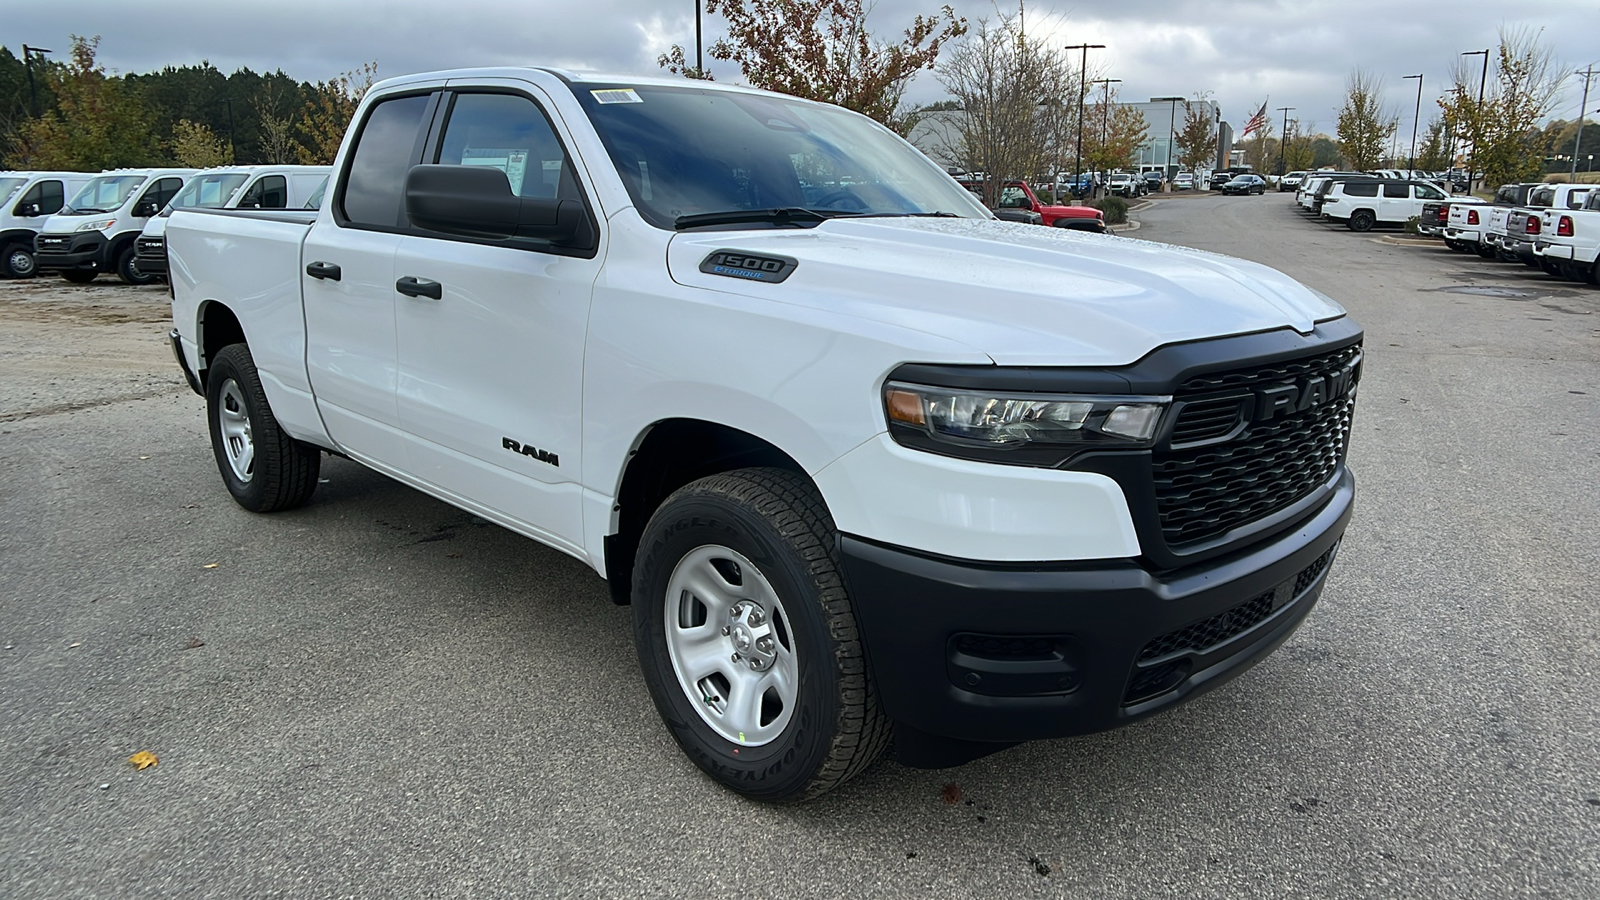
{"x":1485,"y":250}
{"x":1362,"y":220}
{"x":776,"y":520}
{"x":79,"y":276}
{"x":1550,"y":267}
{"x":283,"y":471}
{"x":18,"y":261}
{"x":128,"y":270}
{"x":1594,"y":272}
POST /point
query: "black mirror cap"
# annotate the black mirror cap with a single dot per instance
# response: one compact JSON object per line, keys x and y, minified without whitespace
{"x":476,"y":201}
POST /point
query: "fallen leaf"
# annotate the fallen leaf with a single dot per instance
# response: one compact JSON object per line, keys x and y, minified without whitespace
{"x":210,"y":565}
{"x":142,"y":760}
{"x":144,"y":457}
{"x":75,"y":644}
{"x":194,"y":644}
{"x":951,"y":793}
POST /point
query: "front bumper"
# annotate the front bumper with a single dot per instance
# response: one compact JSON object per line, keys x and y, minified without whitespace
{"x":64,"y":252}
{"x":979,"y":656}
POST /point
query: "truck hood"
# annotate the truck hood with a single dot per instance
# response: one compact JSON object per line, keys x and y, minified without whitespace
{"x":1022,"y":294}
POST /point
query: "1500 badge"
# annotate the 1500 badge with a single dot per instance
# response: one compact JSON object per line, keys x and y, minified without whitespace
{"x":737,"y":264}
{"x":543,"y":456}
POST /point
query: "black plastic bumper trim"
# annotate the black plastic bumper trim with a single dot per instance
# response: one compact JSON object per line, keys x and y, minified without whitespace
{"x":910,"y":606}
{"x":177,"y":352}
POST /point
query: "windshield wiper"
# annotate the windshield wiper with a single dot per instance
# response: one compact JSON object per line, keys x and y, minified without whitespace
{"x":939,"y":214}
{"x":788,"y":215}
{"x":90,"y":209}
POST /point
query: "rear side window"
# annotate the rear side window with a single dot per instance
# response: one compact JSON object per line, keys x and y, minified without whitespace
{"x":1542,"y":197}
{"x":1576,"y":198}
{"x":374,"y":191}
{"x":508,"y":132}
{"x":1397,"y":191}
{"x":1362,"y":189}
{"x":269,"y":192}
{"x":49,"y":195}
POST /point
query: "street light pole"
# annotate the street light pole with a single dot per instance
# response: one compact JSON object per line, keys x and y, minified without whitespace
{"x":699,"y":51}
{"x":1105,"y":108}
{"x":1577,"y":142}
{"x":1477,"y":129}
{"x":1283,"y":140}
{"x":1083,"y":89}
{"x":1416,"y":117}
{"x":33,"y":89}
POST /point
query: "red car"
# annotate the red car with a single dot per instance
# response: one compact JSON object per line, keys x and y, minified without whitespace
{"x":1017,"y":195}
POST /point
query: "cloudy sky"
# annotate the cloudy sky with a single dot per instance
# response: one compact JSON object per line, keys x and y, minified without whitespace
{"x":1291,"y":52}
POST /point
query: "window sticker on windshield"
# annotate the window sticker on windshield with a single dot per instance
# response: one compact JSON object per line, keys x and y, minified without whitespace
{"x":616,"y":95}
{"x":512,"y":162}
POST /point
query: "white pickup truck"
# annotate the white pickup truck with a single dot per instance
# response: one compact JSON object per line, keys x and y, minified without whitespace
{"x":865,"y":461}
{"x":1569,"y":240}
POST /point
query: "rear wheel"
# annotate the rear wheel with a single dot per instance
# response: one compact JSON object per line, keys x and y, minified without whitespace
{"x":79,"y":276}
{"x":18,"y":261}
{"x":1484,"y":250}
{"x":264,"y":469}
{"x":747,"y":637}
{"x":1362,"y":220}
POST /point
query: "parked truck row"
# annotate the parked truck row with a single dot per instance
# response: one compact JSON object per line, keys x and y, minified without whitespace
{"x":79,"y":225}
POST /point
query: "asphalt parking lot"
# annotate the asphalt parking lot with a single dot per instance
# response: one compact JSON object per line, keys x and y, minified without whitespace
{"x":379,"y":695}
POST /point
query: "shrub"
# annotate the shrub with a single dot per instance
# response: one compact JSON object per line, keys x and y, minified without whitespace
{"x":1115,"y":208}
{"x":1411,"y":225}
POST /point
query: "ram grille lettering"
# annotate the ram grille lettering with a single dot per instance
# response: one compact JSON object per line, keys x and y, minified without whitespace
{"x":1287,"y":399}
{"x":748,"y":266}
{"x":543,"y":456}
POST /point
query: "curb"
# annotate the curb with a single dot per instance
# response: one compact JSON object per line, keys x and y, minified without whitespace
{"x":1399,"y":241}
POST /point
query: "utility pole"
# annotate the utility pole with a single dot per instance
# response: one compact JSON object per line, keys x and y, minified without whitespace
{"x":1105,"y":110}
{"x":699,"y":50}
{"x":1411,"y":169}
{"x":1083,"y":90}
{"x":1577,"y":142}
{"x":1283,"y":140}
{"x":1477,"y":115}
{"x":33,"y":89}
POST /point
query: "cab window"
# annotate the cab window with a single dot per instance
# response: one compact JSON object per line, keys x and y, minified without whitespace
{"x":1397,"y":191}
{"x":161,"y":193}
{"x":49,"y":196}
{"x":374,"y":191}
{"x":269,"y":192}
{"x":508,"y":132}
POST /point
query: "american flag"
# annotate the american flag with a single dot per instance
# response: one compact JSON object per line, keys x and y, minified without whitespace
{"x":1257,"y":121}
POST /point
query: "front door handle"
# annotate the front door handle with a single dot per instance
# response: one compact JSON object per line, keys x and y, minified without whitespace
{"x":323,"y":270}
{"x":417,"y":287}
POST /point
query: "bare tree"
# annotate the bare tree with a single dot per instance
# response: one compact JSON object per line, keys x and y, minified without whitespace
{"x":1016,"y":95}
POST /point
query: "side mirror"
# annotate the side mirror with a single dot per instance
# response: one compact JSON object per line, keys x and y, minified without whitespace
{"x":476,"y":201}
{"x":28,"y":210}
{"x":145,"y":210}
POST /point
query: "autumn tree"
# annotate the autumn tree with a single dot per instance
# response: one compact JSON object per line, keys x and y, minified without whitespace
{"x":1435,"y":153}
{"x":196,"y":146}
{"x":822,"y":50}
{"x":98,"y":123}
{"x":1365,"y":125}
{"x":1197,"y":142}
{"x":1008,"y":87}
{"x":1122,"y":130}
{"x":276,"y":126}
{"x":328,"y":113}
{"x":1503,"y":130}
{"x":1299,"y":154}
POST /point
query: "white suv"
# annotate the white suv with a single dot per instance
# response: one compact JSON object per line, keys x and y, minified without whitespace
{"x":1363,"y":204}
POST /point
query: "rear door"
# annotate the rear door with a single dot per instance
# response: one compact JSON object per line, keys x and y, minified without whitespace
{"x":491,"y":368}
{"x":348,"y":283}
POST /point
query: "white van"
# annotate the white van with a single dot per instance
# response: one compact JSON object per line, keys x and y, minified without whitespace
{"x":229,"y":187}
{"x":95,"y":231}
{"x":26,"y":200}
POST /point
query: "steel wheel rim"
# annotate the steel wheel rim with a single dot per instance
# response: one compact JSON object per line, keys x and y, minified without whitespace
{"x":21,"y":262}
{"x":233,"y":423}
{"x":732,"y":645}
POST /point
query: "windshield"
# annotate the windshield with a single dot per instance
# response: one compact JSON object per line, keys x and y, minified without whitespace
{"x":104,"y":194}
{"x":206,"y":191}
{"x":685,"y":151}
{"x":8,"y":186}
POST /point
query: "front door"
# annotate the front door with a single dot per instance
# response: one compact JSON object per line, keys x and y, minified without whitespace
{"x":491,"y":370}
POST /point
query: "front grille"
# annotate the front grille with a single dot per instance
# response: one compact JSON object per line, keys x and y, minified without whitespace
{"x":1207,"y":634}
{"x":54,"y":243}
{"x":1203,"y":490}
{"x":152,"y":246}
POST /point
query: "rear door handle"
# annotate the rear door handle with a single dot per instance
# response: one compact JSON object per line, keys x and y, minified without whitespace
{"x":323,"y":270}
{"x":417,"y":287}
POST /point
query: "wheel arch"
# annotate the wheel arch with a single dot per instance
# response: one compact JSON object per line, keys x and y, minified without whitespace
{"x":667,"y":455}
{"x":216,"y":326}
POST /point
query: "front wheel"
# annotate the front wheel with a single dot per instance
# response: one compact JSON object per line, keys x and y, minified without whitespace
{"x":747,"y":637}
{"x":18,"y":262}
{"x":128,"y":269}
{"x":264,"y":469}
